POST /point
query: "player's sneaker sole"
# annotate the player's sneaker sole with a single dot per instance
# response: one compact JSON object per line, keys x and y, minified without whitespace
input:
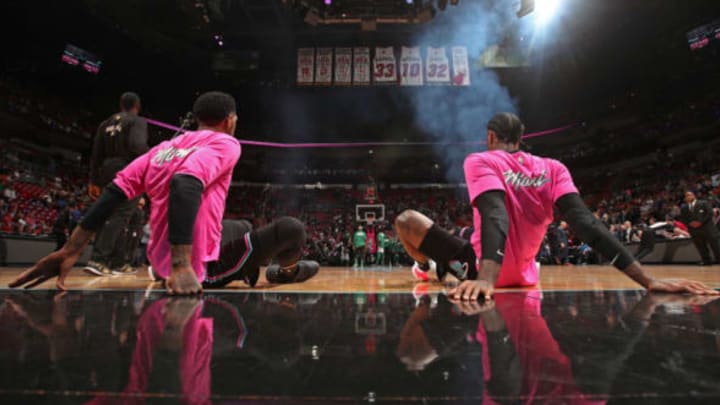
{"x":125,"y":270}
{"x":305,"y":270}
{"x":152,"y":275}
{"x":421,"y":274}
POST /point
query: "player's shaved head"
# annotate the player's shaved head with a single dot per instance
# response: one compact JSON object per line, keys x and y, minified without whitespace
{"x":214,"y":107}
{"x":129,"y":100}
{"x":507,"y":127}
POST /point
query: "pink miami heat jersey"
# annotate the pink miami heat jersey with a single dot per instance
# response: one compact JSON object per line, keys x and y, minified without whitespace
{"x":206,"y":155}
{"x":532,"y":185}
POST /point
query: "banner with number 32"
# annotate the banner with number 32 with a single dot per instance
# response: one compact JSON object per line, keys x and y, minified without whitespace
{"x":437,"y":70}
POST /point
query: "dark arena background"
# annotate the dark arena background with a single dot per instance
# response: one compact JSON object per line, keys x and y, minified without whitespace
{"x":349,"y":113}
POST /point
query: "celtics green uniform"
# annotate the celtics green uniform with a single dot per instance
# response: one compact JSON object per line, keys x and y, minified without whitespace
{"x":359,"y":239}
{"x":359,"y":244}
{"x":382,"y":243}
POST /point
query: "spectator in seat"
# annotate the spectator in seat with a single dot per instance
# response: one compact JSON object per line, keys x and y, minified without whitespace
{"x":7,"y":224}
{"x":9,"y":193}
{"x":21,"y":223}
{"x":31,"y":224}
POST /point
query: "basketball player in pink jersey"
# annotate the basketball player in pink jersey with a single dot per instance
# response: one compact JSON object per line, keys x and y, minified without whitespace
{"x":187,"y":180}
{"x":513,"y":194}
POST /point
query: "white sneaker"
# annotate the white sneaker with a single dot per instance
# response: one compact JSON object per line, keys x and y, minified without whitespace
{"x":152,"y":275}
{"x":423,"y":275}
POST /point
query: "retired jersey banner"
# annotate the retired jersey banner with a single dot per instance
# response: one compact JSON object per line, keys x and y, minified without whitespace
{"x":461,"y":67}
{"x":437,"y":68}
{"x":384,"y":67}
{"x":306,"y":66}
{"x":323,"y":66}
{"x":343,"y":66}
{"x":411,"y":67}
{"x":361,"y":66}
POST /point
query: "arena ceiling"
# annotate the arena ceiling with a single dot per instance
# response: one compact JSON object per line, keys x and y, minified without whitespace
{"x":164,"y":50}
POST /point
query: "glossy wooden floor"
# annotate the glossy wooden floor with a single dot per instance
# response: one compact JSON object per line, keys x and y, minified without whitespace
{"x":398,"y":280}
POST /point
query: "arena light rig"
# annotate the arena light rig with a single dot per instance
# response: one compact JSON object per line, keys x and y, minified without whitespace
{"x":544,"y":10}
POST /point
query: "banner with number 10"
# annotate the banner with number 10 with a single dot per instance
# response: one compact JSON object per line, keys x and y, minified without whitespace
{"x":411,"y":71}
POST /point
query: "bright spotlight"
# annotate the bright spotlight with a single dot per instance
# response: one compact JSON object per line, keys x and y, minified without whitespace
{"x":545,"y":10}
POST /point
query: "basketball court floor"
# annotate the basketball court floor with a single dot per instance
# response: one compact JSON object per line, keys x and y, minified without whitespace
{"x":585,"y":335}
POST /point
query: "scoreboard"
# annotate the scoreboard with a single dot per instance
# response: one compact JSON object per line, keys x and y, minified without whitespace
{"x":702,"y":36}
{"x":76,"y":56}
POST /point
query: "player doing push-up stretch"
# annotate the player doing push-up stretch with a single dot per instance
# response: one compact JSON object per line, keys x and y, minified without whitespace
{"x":187,"y":180}
{"x":513,"y":194}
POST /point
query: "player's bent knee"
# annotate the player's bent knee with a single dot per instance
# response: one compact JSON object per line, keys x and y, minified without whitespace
{"x":410,"y":220}
{"x":405,"y":219}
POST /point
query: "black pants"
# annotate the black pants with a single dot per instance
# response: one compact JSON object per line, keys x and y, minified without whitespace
{"x":359,"y":252}
{"x":702,"y":237}
{"x":110,"y":241}
{"x":244,"y":249}
{"x":60,"y":239}
{"x":132,"y":241}
{"x":461,"y":236}
{"x":642,"y":252}
{"x":561,"y":255}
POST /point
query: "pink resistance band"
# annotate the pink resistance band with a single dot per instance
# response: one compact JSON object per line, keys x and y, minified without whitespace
{"x":359,"y":144}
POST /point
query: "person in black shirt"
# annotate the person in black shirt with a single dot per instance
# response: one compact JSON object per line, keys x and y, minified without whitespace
{"x":697,"y":214}
{"x":119,"y":140}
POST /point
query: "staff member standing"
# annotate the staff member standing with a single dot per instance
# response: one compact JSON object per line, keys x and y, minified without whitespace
{"x":697,"y":214}
{"x":119,"y":140}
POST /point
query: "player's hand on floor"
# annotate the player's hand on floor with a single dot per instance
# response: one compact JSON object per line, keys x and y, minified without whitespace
{"x":681,"y":286}
{"x":472,"y":290}
{"x":57,"y":264}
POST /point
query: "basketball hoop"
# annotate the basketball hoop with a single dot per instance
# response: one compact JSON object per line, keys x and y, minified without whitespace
{"x":369,"y":213}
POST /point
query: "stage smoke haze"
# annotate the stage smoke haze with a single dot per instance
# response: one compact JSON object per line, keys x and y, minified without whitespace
{"x":451,"y":114}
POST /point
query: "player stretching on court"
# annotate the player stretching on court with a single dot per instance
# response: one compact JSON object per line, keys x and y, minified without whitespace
{"x":513,"y":194}
{"x":187,"y":179}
